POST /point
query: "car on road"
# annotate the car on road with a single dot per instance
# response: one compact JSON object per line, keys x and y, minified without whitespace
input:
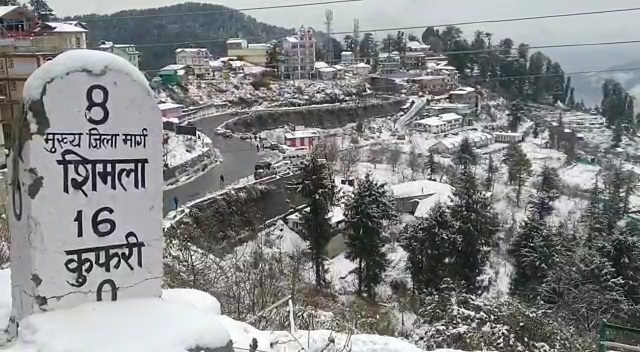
{"x":246,"y":136}
{"x":227,"y":134}
{"x":220,"y":131}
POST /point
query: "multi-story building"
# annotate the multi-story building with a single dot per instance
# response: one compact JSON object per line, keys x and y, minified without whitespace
{"x":125,"y":51}
{"x":196,"y":58}
{"x":298,"y":55}
{"x":257,"y":54}
{"x":25,"y":45}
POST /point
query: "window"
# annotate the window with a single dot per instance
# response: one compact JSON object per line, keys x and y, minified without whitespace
{"x":14,"y":86}
{"x":78,"y":44}
{"x":10,"y":64}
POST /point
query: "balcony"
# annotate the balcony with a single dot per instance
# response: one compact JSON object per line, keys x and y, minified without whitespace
{"x":33,"y":45}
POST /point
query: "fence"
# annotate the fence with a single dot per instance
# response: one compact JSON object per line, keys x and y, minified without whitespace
{"x":610,"y":332}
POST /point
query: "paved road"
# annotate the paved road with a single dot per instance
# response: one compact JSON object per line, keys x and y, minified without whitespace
{"x":239,"y":158}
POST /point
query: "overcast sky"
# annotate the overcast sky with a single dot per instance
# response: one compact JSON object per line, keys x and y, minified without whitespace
{"x":375,"y":14}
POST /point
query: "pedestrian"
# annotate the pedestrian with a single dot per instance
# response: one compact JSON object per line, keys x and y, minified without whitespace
{"x":257,"y":147}
{"x":221,"y":180}
{"x":175,"y":201}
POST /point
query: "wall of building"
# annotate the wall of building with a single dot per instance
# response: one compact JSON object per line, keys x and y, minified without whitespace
{"x":315,"y":116}
{"x":254,"y":56}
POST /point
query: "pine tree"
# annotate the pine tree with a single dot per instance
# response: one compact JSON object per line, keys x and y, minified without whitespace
{"x":548,"y":191}
{"x":518,"y":168}
{"x":465,"y":154}
{"x":475,"y":226}
{"x":623,"y":252}
{"x":617,"y":134}
{"x":367,"y":212}
{"x":431,"y":245}
{"x":515,"y":116}
{"x":317,"y":184}
{"x":593,"y":216}
{"x":431,"y":166}
{"x":533,"y":253}
{"x":491,"y":172}
{"x":613,"y":205}
{"x":41,"y":8}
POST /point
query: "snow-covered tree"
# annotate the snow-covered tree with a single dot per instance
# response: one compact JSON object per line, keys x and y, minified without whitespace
{"x":465,"y":154}
{"x":431,"y":166}
{"x":347,"y":162}
{"x":548,"y":191}
{"x":492,"y":169}
{"x":413,"y":161}
{"x":367,"y":212}
{"x":518,"y":168}
{"x":393,"y":156}
{"x":317,"y":184}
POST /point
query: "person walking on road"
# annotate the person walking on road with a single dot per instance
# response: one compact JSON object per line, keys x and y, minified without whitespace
{"x":221,"y":181}
{"x":257,"y":147}
{"x":175,"y":201}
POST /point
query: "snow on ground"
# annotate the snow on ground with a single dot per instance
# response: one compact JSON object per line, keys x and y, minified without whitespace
{"x":178,"y":321}
{"x":579,"y":175}
{"x":181,"y":148}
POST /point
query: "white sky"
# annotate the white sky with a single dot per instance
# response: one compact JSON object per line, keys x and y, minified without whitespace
{"x":374,"y":14}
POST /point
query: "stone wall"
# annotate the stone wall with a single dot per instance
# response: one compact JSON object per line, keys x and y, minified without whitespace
{"x":322,"y":116}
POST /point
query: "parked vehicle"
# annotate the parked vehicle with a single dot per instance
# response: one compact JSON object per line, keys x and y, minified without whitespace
{"x":263,"y":169}
{"x":219,"y":131}
{"x":227,"y":134}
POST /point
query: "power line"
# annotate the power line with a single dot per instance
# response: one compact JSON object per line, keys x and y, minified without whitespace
{"x":515,"y":19}
{"x":317,"y":3}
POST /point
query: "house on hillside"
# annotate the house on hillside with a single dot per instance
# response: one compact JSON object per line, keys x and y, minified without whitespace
{"x":298,"y":55}
{"x":60,"y":36}
{"x":256,"y":54}
{"x":197,"y":58}
{"x":301,"y":138}
{"x":508,"y":137}
{"x":451,"y":144}
{"x":174,"y":74}
{"x":464,"y":95}
{"x":439,"y":124}
{"x":125,"y":51}
{"x":170,"y":111}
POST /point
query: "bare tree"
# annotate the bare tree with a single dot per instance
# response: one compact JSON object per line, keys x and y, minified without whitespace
{"x":394,"y":156}
{"x":348,"y":160}
{"x":328,"y":150}
{"x":376,"y":156}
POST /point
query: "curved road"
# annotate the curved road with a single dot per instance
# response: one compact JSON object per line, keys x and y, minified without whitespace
{"x":239,"y":159}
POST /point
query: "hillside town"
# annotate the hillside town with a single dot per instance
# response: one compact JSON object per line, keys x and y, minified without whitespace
{"x":310,"y":192}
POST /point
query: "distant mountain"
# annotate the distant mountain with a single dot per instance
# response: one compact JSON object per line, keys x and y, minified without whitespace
{"x":203,"y":25}
{"x":589,"y":87}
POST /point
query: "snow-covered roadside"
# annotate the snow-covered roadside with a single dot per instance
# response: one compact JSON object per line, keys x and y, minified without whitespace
{"x":179,"y":320}
{"x":182,"y":148}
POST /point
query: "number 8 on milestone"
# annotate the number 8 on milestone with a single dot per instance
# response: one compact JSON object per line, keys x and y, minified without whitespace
{"x":101,"y":104}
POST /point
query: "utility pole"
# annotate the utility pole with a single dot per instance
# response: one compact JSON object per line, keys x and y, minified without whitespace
{"x":356,"y":39}
{"x":328,"y":15}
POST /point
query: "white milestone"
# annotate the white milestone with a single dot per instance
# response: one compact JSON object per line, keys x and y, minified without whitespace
{"x":85,"y":195}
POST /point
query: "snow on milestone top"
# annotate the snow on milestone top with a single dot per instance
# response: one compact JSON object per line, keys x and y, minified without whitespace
{"x":80,"y":60}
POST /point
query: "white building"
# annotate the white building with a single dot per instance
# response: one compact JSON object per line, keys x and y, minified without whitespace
{"x":507,"y":137}
{"x":257,"y":54}
{"x":125,"y":51}
{"x":196,"y":58}
{"x":298,"y":55}
{"x":439,"y":124}
{"x":347,"y":58}
{"x":361,"y":69}
{"x":450,"y":145}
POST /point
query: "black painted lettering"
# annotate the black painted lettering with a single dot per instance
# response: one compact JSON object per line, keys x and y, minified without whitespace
{"x":100,"y":104}
{"x":78,"y":220}
{"x":105,"y":226}
{"x":112,"y":286}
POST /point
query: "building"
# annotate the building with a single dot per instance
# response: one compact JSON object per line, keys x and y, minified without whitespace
{"x":450,"y":145}
{"x":507,"y":137}
{"x":298,"y":55}
{"x":439,"y":124}
{"x":174,"y":74}
{"x":170,"y":111}
{"x":347,"y":58}
{"x":303,"y":138}
{"x":196,"y":58}
{"x":417,"y":197}
{"x":25,"y":45}
{"x":444,"y":108}
{"x":465,"y":95}
{"x":361,"y":69}
{"x":257,"y":54}
{"x":388,"y":63}
{"x":431,"y":83}
{"x":125,"y":51}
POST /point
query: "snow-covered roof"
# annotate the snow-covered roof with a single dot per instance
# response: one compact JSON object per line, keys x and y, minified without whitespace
{"x":292,"y":39}
{"x":338,"y":67}
{"x":455,"y":141}
{"x":335,"y":215}
{"x":419,"y":188}
{"x":431,"y":121}
{"x":445,"y":67}
{"x":319,"y":64}
{"x":462,"y":91}
{"x":259,"y":46}
{"x":192,"y":51}
{"x":235,"y":41}
{"x":442,"y":194}
{"x":450,"y":117}
{"x":62,"y":27}
{"x":168,"y":106}
{"x":362,"y":65}
{"x":4,"y":10}
{"x":301,"y":134}
{"x":415,"y":45}
{"x":173,"y":67}
{"x":429,"y":78}
{"x":328,"y":69}
{"x":514,"y":134}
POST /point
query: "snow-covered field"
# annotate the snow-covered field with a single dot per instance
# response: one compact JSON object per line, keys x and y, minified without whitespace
{"x":182,"y":148}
